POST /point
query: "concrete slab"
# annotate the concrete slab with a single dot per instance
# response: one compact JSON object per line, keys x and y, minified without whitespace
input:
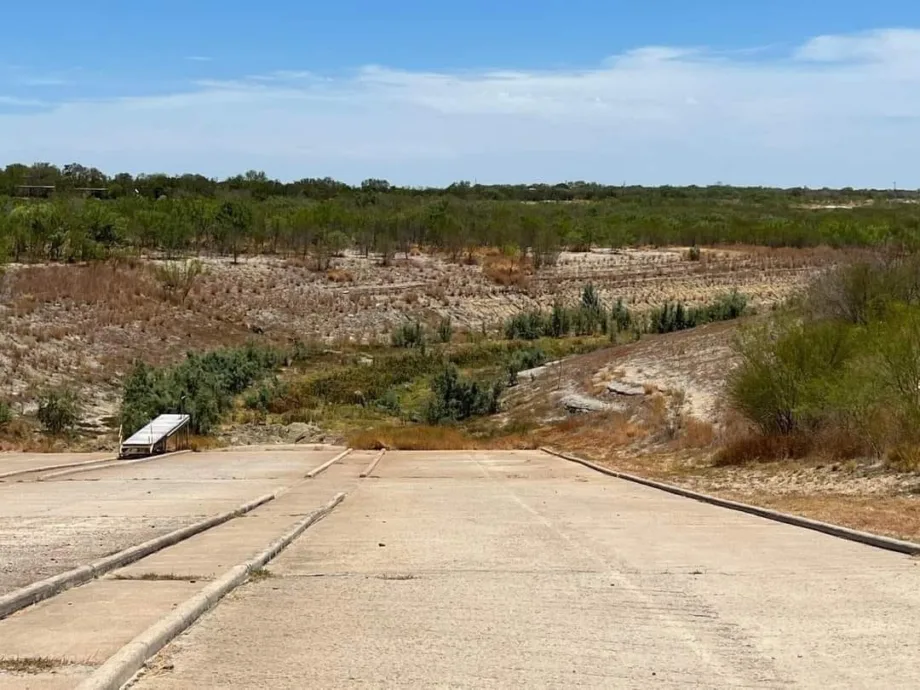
{"x":49,"y":527}
{"x":514,"y":570}
{"x":212,"y":553}
{"x":213,"y":466}
{"x":16,"y":462}
{"x":32,"y":549}
{"x":63,"y":678}
{"x":90,"y":623}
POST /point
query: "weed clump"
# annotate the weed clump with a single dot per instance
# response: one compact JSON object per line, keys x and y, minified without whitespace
{"x":58,"y":410}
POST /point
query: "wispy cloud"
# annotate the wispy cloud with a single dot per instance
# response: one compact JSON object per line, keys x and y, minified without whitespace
{"x":18,"y":102}
{"x":836,"y":110}
{"x":199,"y":58}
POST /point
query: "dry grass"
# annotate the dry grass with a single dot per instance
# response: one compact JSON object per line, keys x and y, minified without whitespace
{"x":598,"y":433}
{"x":413,"y":438}
{"x":903,"y":458}
{"x":696,"y":433}
{"x":157,"y":577}
{"x":893,"y":516}
{"x":830,"y":444}
{"x":31,"y":665}
{"x":200,"y":444}
{"x":507,"y":272}
{"x":338,"y":275}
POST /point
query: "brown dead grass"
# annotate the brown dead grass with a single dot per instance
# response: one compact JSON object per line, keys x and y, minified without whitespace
{"x":31,"y":665}
{"x":413,"y":438}
{"x":507,"y":272}
{"x":696,"y":433}
{"x":339,"y":275}
{"x":830,"y":444}
{"x":597,"y":433}
{"x":200,"y":444}
{"x":892,"y":516}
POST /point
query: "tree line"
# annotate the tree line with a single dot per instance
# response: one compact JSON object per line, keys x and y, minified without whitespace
{"x":318,"y":218}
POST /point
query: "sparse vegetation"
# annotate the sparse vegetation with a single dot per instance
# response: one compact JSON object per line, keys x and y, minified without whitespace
{"x":455,"y":399}
{"x":31,"y":665}
{"x":202,"y":386}
{"x":676,"y":317}
{"x":852,"y":367}
{"x":590,"y":317}
{"x":178,"y":278}
{"x":409,"y":335}
{"x":58,"y":410}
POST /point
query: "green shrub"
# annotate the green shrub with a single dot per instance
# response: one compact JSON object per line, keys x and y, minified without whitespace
{"x":694,"y":254}
{"x":789,"y":376}
{"x":6,"y":413}
{"x":560,"y":323}
{"x":455,"y":399}
{"x":202,"y":386}
{"x":445,"y":330}
{"x":620,"y":318}
{"x":409,"y":335}
{"x":676,"y":317}
{"x":522,"y":360}
{"x":528,"y":325}
{"x":58,"y":410}
{"x":261,"y":398}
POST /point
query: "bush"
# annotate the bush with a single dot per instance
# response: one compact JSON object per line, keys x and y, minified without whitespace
{"x":788,"y":379}
{"x":620,"y":318}
{"x":528,"y":325}
{"x":58,"y":410}
{"x":677,"y":317}
{"x":6,"y":413}
{"x":521,"y":360}
{"x":456,"y":399}
{"x":179,"y":277}
{"x":202,"y":386}
{"x":409,"y":335}
{"x":261,"y":398}
{"x":862,"y":292}
{"x":694,"y":254}
{"x":445,"y":330}
{"x":560,"y":324}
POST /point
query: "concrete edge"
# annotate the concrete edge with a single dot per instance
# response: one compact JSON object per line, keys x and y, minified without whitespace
{"x":880,"y":542}
{"x":62,"y":466}
{"x":126,"y":662}
{"x":54,"y":585}
{"x":117,"y":463}
{"x":315,"y":472}
{"x":373,"y":465}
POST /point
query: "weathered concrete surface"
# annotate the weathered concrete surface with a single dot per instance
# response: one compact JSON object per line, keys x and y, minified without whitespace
{"x":519,"y":569}
{"x":85,"y":626}
{"x":88,"y":624}
{"x":212,"y":553}
{"x":20,"y":462}
{"x":49,"y":527}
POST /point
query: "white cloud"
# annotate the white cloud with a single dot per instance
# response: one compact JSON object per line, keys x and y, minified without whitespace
{"x":837,"y":110}
{"x":886,"y":46}
{"x":199,"y":58}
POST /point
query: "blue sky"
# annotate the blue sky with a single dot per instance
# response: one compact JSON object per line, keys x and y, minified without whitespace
{"x":782,"y":93}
